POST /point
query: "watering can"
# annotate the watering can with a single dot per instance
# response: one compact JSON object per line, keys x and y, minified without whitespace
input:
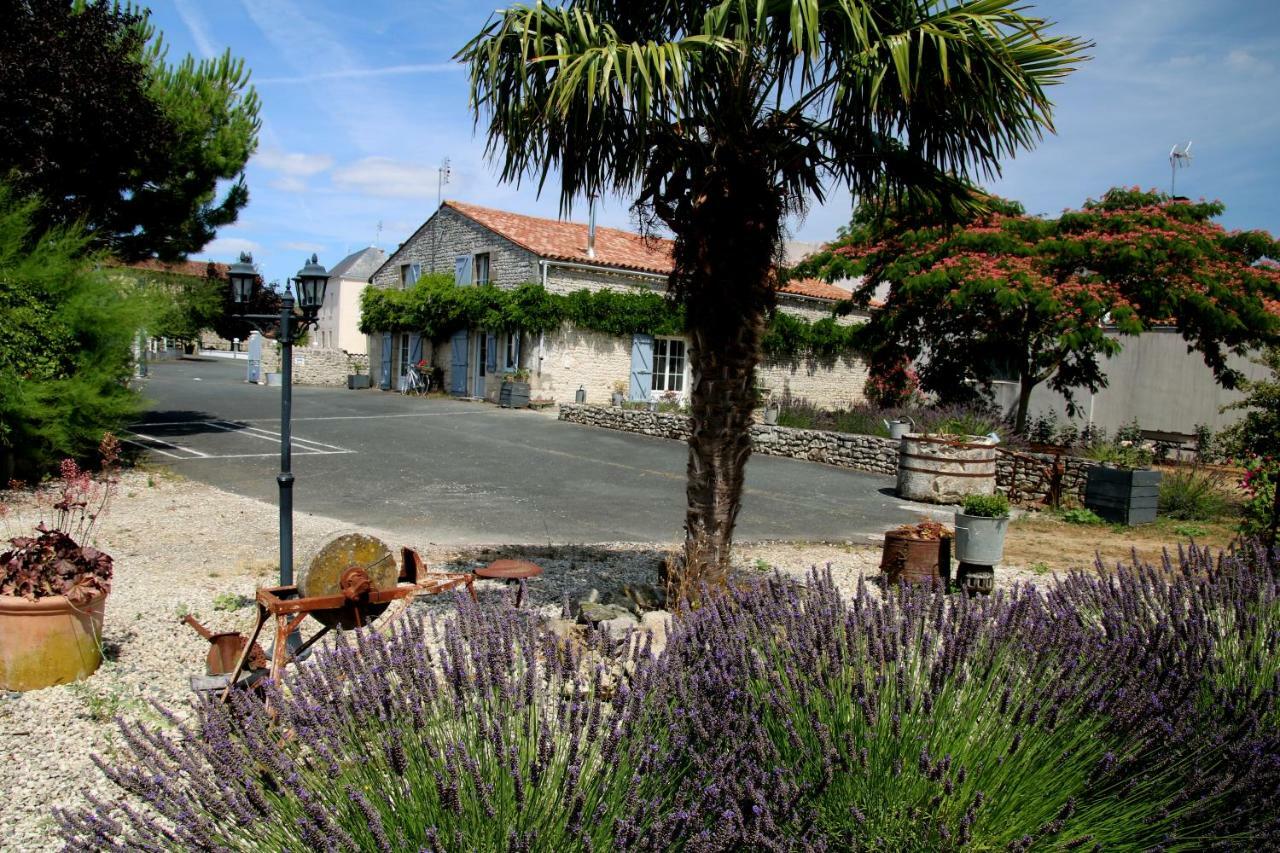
{"x":899,"y":427}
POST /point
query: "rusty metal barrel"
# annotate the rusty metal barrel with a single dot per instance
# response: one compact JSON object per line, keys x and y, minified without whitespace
{"x":944,"y":468}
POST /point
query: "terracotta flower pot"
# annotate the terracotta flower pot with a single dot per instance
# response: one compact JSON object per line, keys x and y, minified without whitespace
{"x":49,"y":641}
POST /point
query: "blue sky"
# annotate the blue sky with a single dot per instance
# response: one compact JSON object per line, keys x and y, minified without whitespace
{"x":361,"y":104}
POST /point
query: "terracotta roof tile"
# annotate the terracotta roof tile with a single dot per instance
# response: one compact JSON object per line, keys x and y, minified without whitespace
{"x":814,"y":289}
{"x":567,"y":241}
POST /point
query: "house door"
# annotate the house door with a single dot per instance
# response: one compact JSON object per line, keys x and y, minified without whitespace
{"x":458,"y":363}
{"x":486,"y":361}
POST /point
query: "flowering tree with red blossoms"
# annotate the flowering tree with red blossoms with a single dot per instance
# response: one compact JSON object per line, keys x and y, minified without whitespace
{"x":1046,"y":300}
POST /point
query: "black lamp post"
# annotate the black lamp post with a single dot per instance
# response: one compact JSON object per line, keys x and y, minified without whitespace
{"x":310,"y":284}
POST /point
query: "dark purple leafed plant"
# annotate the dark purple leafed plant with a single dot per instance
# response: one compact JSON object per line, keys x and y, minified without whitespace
{"x":1127,"y":710}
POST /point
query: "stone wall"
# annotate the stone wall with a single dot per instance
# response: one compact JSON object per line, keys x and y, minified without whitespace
{"x":448,"y":234}
{"x":1021,"y":476}
{"x":314,"y":365}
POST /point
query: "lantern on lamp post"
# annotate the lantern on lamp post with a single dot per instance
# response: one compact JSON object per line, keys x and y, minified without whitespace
{"x":310,"y":284}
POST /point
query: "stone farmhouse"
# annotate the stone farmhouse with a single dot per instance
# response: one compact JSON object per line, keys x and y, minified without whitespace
{"x":480,"y":245}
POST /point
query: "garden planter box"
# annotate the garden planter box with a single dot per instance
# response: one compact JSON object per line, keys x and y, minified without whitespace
{"x":514,"y":395}
{"x":1122,"y":495}
{"x":358,"y":381}
{"x":49,"y":641}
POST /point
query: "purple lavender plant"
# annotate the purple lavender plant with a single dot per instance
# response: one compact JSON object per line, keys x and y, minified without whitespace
{"x":1129,"y":708}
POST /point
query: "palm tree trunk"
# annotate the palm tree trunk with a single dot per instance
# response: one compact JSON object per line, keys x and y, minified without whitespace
{"x":724,"y":277}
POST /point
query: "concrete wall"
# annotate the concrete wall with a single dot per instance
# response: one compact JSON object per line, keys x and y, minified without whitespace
{"x":1153,"y":379}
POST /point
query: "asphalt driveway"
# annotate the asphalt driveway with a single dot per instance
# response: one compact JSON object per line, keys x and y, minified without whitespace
{"x":461,"y":472}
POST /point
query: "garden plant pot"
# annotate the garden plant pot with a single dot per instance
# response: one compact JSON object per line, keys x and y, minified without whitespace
{"x":359,"y":381}
{"x":49,"y":641}
{"x":616,"y":400}
{"x":980,"y":540}
{"x":514,"y":395}
{"x":1123,"y":495}
{"x":915,"y":560}
{"x":771,"y":415}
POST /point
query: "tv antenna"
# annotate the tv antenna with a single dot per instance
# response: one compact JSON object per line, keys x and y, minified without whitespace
{"x":1179,"y":158}
{"x":442,"y":177}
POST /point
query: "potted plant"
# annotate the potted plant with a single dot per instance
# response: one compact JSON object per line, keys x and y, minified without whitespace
{"x":619,"y":392}
{"x":981,"y":525}
{"x":54,"y":585}
{"x":1122,"y":489}
{"x":359,"y":379}
{"x":515,"y":390}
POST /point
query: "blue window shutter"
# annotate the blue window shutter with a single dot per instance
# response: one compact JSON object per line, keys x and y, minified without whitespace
{"x":415,"y":272}
{"x":384,"y":380}
{"x":458,"y":346}
{"x":491,"y":359}
{"x":415,"y":348}
{"x":641,"y":366}
{"x":462,"y":270}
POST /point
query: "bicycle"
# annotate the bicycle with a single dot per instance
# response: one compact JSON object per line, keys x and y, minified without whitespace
{"x":416,"y":384}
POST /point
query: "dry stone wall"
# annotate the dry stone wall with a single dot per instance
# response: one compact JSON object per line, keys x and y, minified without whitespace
{"x":1026,"y":477}
{"x":314,"y":365}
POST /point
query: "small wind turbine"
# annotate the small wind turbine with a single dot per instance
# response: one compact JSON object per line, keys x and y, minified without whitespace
{"x":1179,"y":158}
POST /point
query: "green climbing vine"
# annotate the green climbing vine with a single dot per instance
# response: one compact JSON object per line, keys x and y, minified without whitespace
{"x":436,"y":308}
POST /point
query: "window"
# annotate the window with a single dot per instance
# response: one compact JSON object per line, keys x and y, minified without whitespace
{"x":511,"y":360}
{"x":404,"y":355}
{"x":668,"y":365}
{"x":481,"y":269}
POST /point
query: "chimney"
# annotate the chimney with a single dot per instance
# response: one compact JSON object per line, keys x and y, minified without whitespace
{"x":591,"y":226}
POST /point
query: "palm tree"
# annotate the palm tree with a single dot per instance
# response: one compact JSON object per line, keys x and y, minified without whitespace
{"x":721,"y":118}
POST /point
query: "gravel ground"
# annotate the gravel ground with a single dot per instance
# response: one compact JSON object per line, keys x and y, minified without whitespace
{"x":182,"y":547}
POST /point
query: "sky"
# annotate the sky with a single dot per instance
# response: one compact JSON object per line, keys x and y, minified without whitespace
{"x":361,"y":104}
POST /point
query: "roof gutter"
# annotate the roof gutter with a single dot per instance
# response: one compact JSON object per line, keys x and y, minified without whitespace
{"x":550,"y":262}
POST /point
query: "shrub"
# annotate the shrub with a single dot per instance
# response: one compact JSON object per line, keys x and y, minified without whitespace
{"x":1261,"y":474}
{"x":781,"y":716}
{"x":66,"y":351}
{"x":986,"y":506}
{"x":1192,"y":494}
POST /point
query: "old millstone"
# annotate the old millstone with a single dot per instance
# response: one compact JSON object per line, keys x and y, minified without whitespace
{"x":593,"y":613}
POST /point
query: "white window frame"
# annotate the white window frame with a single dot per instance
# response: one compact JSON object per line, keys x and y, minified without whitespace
{"x":475,"y":267}
{"x":511,"y":352}
{"x":661,"y":354}
{"x":403,"y":355}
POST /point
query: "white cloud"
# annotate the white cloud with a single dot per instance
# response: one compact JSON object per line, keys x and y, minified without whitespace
{"x":289,"y":184}
{"x":230,"y":247}
{"x":294,"y":164}
{"x":198,"y":27}
{"x":356,"y":73}
{"x":1244,"y":61}
{"x":382,"y":176}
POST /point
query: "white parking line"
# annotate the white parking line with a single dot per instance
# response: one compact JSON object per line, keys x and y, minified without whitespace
{"x":300,"y":446}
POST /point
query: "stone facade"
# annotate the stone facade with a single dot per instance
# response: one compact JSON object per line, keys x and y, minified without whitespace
{"x":1025,"y":477}
{"x":314,"y":365}
{"x":567,"y":359}
{"x":446,"y":236}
